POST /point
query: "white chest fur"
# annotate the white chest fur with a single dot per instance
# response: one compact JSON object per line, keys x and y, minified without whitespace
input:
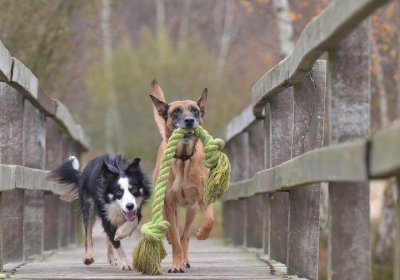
{"x":114,"y":214}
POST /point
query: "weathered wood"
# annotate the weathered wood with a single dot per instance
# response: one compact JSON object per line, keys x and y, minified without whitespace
{"x":45,"y":103}
{"x":24,"y":80}
{"x":281,"y":123}
{"x":267,"y":164}
{"x":240,"y":123}
{"x":11,"y":143}
{"x":303,"y":242}
{"x":239,"y":146}
{"x":210,"y":259}
{"x":384,"y":152}
{"x":254,"y":205}
{"x":349,"y":118}
{"x":334,"y":23}
{"x":34,"y":156}
{"x":51,"y":202}
{"x":64,"y":117}
{"x":338,"y":163}
{"x":397,"y":242}
{"x":5,"y":64}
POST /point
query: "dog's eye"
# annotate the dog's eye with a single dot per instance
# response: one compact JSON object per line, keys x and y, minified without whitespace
{"x":177,"y":111}
{"x":193,"y":110}
{"x":118,"y":193}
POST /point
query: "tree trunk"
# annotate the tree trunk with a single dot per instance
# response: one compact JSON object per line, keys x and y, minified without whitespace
{"x":160,"y":14}
{"x":228,"y":33}
{"x":184,"y":23}
{"x":284,"y":24}
{"x":112,"y":121}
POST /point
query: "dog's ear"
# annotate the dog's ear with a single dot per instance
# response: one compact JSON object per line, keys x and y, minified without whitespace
{"x":133,"y":167}
{"x":162,"y":107}
{"x":202,"y":101}
{"x":108,"y":171}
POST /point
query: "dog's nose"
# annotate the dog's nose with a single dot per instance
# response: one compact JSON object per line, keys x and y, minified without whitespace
{"x":189,"y":121}
{"x":130,"y":206}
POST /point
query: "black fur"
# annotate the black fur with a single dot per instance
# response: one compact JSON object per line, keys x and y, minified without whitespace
{"x":99,"y":180}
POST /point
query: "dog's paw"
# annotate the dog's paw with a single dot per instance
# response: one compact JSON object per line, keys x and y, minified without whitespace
{"x":176,"y":270}
{"x":125,"y":265}
{"x":88,"y":261}
{"x":202,"y":234}
{"x":186,"y":264}
{"x":112,"y":259}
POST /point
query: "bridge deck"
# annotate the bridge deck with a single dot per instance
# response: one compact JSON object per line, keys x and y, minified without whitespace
{"x":210,"y":259}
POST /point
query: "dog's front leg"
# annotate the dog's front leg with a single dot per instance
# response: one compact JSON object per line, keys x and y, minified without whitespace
{"x":177,"y":252}
{"x":125,"y":230}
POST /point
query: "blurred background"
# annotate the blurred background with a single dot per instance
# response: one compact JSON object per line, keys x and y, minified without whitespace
{"x":99,"y":57}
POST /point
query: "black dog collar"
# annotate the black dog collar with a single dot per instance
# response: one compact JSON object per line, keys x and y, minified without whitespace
{"x":185,"y":157}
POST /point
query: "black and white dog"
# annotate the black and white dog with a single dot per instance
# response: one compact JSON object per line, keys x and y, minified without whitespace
{"x":111,"y":188}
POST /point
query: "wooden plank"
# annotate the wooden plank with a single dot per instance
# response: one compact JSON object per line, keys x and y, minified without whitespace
{"x":333,"y":24}
{"x":281,"y":123}
{"x":384,"y":151}
{"x":47,"y":104}
{"x":5,"y":64}
{"x":239,"y":123}
{"x":254,"y":205}
{"x":337,"y":163}
{"x":349,"y":118}
{"x":303,"y":241}
{"x":34,"y":156}
{"x":11,"y":143}
{"x":24,"y":80}
{"x":210,"y":259}
{"x":64,"y":117}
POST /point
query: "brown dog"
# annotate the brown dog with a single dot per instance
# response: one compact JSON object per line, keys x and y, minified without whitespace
{"x":186,"y":181}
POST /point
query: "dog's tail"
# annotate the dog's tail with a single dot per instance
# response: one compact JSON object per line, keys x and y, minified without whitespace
{"x":68,"y":175}
{"x":158,"y":93}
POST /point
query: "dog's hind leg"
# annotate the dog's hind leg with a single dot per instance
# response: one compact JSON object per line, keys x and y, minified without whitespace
{"x":88,"y":217}
{"x":208,"y":222}
{"x":190,"y":214}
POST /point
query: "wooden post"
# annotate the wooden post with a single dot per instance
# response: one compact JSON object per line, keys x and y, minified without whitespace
{"x":396,"y":265}
{"x":349,"y":119}
{"x":227,"y":207}
{"x":254,"y":204}
{"x":34,"y":156}
{"x":11,"y":146}
{"x":308,"y":121}
{"x":64,"y":217}
{"x":267,"y":164}
{"x":240,"y":163}
{"x":281,"y":151}
{"x":51,"y":201}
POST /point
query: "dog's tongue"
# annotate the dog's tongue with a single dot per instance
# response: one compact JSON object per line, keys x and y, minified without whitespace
{"x":130,"y":216}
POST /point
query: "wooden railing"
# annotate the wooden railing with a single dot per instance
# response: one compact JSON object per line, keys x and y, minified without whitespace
{"x":36,"y":134}
{"x":279,"y":162}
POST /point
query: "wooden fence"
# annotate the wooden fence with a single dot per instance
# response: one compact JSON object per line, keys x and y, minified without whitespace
{"x":36,"y":134}
{"x":281,"y":153}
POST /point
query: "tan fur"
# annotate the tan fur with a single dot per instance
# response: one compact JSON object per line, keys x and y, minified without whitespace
{"x":185,"y":186}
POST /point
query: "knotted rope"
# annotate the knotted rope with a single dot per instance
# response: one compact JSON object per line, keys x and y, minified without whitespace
{"x":150,"y":251}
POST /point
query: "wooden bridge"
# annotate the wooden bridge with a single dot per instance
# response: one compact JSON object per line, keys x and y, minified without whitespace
{"x":309,"y":122}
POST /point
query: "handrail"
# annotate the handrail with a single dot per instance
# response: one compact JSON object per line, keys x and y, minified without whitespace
{"x":15,"y":73}
{"x":321,"y":34}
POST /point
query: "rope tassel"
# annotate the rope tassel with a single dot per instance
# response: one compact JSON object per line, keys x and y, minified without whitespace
{"x":150,"y":251}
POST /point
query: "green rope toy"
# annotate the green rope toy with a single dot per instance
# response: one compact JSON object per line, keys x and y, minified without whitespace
{"x":150,"y":251}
